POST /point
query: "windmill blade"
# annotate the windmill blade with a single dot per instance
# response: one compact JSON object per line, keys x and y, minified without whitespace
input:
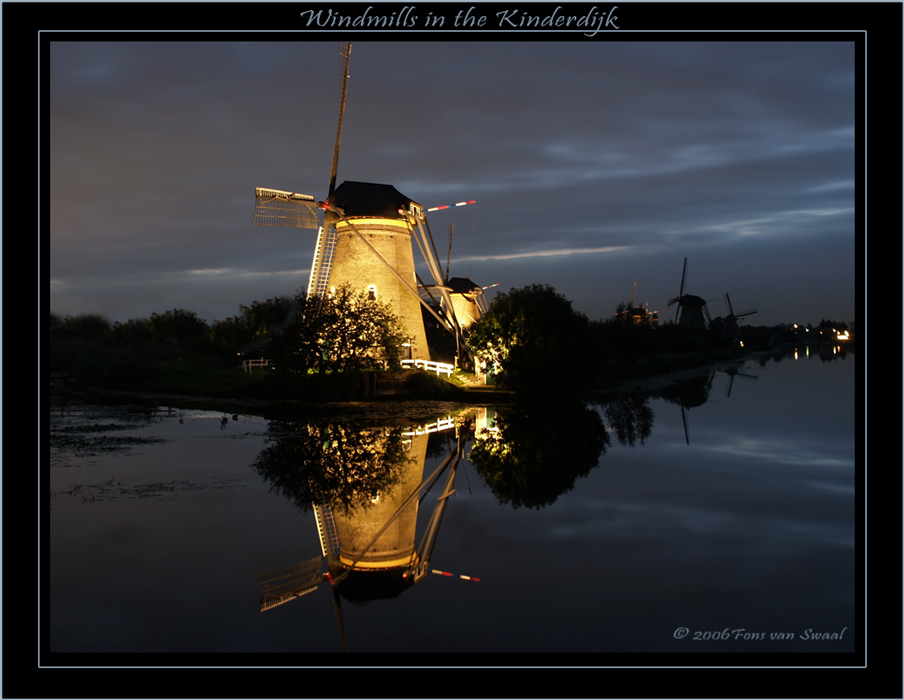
{"x":337,"y":606}
{"x":449,"y":259}
{"x":728,"y":301}
{"x":683,"y":278}
{"x":687,"y":437}
{"x":448,"y":206}
{"x":279,"y":586}
{"x":281,"y":208}
{"x":746,"y":313}
{"x":345,"y":51}
{"x":448,"y":573}
{"x":424,"y":239}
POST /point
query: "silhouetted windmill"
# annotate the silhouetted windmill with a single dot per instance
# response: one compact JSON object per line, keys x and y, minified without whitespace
{"x":727,"y":327}
{"x":372,"y":554}
{"x":366,"y":239}
{"x":691,"y":309}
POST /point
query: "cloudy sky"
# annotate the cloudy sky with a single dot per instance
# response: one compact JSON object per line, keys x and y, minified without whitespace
{"x":594,"y":164}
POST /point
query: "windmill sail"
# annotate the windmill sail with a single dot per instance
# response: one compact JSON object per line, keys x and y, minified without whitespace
{"x":279,"y":586}
{"x":326,"y":528}
{"x":279,"y":208}
{"x":323,"y":260}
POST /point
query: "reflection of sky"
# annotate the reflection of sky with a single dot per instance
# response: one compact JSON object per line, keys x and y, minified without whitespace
{"x":750,"y":526}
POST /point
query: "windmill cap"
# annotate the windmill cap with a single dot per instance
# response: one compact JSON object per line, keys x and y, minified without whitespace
{"x":370,"y":199}
{"x":461,"y":285}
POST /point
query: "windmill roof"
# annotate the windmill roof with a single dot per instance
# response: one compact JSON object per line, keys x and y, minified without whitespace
{"x":360,"y":586}
{"x":370,"y":199}
{"x":461,"y":285}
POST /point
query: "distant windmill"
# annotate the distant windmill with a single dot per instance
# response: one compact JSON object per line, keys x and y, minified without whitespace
{"x":372,"y":554}
{"x":727,"y":327}
{"x":366,"y":239}
{"x":691,"y":312}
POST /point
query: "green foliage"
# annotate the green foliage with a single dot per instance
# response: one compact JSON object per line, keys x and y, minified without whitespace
{"x":263,"y":318}
{"x":178,"y":326}
{"x":341,"y":332}
{"x":81,"y":326}
{"x":341,"y":464}
{"x":134,"y":331}
{"x":426,"y":385}
{"x":630,"y":418}
{"x":532,"y":337}
{"x":537,"y":451}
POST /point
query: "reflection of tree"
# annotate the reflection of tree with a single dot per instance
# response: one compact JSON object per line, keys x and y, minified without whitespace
{"x":340,"y":464}
{"x":630,"y":417}
{"x":538,"y":451}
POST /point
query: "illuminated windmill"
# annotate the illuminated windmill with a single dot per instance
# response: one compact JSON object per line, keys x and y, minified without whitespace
{"x":366,"y":240}
{"x":371,"y":553}
{"x":468,"y":300}
{"x":691,"y":309}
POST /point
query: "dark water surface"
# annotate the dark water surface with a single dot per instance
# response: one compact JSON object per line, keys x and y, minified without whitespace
{"x":724,"y":509}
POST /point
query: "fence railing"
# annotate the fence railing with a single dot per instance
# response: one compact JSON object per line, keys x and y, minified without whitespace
{"x":247,"y":365}
{"x":446,"y":423}
{"x":430,"y":366}
{"x":426,"y":365}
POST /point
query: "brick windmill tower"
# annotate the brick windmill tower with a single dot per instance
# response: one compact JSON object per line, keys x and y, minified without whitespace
{"x":366,"y":240}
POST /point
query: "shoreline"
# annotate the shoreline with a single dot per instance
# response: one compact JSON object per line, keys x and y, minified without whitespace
{"x":394,"y":410}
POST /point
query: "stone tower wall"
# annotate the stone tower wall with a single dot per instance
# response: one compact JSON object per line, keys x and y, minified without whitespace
{"x":355,"y":263}
{"x":395,"y":546}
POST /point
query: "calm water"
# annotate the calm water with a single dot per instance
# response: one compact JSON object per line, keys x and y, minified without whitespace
{"x":652,"y":524}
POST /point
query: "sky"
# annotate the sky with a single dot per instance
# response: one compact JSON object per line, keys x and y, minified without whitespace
{"x":595,"y":165}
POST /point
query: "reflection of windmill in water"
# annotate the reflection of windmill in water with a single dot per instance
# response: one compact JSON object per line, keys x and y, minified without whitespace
{"x":689,"y":394}
{"x":366,"y":240}
{"x":733,"y":372}
{"x":370,"y":553}
{"x":691,"y":312}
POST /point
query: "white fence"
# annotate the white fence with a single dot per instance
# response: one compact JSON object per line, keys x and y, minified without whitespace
{"x":430,"y":366}
{"x":247,"y":365}
{"x":426,"y":365}
{"x":446,"y":423}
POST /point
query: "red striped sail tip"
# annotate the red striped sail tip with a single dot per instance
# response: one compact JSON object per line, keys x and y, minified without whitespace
{"x":446,"y":573}
{"x":447,"y":206}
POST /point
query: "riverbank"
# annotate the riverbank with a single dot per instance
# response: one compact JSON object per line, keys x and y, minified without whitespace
{"x":659,"y":382}
{"x":383,"y":410}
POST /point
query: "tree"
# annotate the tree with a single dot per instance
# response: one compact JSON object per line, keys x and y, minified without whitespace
{"x":342,"y":464}
{"x":537,"y":450}
{"x":179,"y":327}
{"x":340,"y":332}
{"x":533,"y":339}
